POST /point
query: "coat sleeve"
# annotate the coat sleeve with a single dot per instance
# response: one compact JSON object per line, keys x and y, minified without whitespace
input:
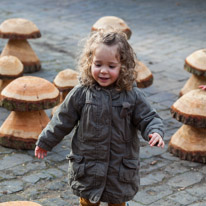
{"x":63,"y":120}
{"x":145,"y":117}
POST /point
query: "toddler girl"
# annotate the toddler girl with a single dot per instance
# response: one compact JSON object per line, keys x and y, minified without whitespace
{"x":107,"y":110}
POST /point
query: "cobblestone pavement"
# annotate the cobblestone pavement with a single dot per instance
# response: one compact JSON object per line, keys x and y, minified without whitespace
{"x":164,"y":33}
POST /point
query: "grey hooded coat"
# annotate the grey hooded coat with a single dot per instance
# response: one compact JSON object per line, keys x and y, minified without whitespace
{"x":104,"y":161}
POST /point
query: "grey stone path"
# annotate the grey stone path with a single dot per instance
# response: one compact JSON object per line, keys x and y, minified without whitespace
{"x":164,"y":33}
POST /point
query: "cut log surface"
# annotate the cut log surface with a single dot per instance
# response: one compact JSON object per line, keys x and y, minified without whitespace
{"x":189,"y":143}
{"x":29,"y":93}
{"x":190,"y":109}
{"x":19,"y":203}
{"x":23,"y":51}
{"x":10,"y":67}
{"x":193,"y":83}
{"x":19,"y":28}
{"x":21,"y":129}
{"x":196,"y":62}
{"x":112,"y":22}
{"x":144,"y":75}
{"x":66,"y":80}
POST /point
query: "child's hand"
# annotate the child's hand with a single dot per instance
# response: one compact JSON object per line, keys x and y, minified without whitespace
{"x":40,"y":153}
{"x":203,"y":87}
{"x":156,"y":140}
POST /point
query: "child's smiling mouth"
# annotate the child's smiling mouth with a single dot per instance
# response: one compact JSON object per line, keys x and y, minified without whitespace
{"x":103,"y":78}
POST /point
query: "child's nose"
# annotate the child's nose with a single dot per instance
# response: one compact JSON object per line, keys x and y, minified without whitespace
{"x":103,"y":70}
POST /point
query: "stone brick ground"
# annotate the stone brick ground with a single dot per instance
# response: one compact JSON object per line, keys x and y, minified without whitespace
{"x":164,"y":33}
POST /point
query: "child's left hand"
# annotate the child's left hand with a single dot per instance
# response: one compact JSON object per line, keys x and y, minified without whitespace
{"x":156,"y":140}
{"x":203,"y":87}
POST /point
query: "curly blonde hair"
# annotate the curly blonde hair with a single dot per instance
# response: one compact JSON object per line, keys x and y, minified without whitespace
{"x":127,"y":58}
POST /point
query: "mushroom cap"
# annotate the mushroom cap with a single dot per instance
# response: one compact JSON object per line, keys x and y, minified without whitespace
{"x":192,"y":83}
{"x":191,"y":108}
{"x":21,"y":129}
{"x":18,"y":28}
{"x":10,"y":67}
{"x":66,"y":79}
{"x":29,"y":93}
{"x":189,"y":143}
{"x":144,"y":75}
{"x":19,"y":203}
{"x":22,"y":50}
{"x":112,"y":22}
{"x":196,"y":62}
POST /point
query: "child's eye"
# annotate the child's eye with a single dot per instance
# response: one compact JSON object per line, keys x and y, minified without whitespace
{"x":111,"y":66}
{"x":98,"y":65}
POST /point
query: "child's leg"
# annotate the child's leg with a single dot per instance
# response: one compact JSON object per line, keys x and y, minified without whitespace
{"x":121,"y":204}
{"x":85,"y":202}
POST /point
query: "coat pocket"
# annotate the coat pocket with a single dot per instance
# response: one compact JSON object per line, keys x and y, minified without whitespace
{"x":76,"y":166}
{"x":129,"y":170}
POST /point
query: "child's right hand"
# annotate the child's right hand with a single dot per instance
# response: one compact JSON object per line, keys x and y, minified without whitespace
{"x":40,"y":153}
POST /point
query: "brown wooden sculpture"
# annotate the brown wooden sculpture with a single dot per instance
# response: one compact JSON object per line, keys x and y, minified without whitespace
{"x":195,"y":63}
{"x":19,"y":203}
{"x":10,"y":68}
{"x":18,"y":30}
{"x":65,"y":81}
{"x":112,"y":22}
{"x":189,"y":142}
{"x":144,"y":75}
{"x":26,"y":97}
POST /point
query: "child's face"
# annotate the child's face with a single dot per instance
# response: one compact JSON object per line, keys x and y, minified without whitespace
{"x":105,"y":65}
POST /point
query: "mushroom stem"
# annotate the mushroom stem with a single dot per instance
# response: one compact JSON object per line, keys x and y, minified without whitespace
{"x":21,"y":129}
{"x":23,"y":51}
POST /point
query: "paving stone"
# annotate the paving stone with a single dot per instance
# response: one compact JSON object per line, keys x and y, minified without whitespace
{"x":203,"y":169}
{"x":32,"y":179}
{"x":54,"y":202}
{"x":31,"y":193}
{"x":170,"y":156}
{"x":152,"y":194}
{"x":183,"y":198}
{"x":55,"y":186}
{"x":198,"y":203}
{"x":186,"y":179}
{"x":25,"y":168}
{"x":148,"y":152}
{"x":64,"y":167}
{"x":13,"y":160}
{"x":152,"y":178}
{"x":54,"y":157}
{"x":198,"y":190}
{"x":9,"y":187}
{"x":152,"y":164}
{"x":55,"y":173}
{"x":171,"y":169}
{"x":165,"y":202}
{"x":5,"y":176}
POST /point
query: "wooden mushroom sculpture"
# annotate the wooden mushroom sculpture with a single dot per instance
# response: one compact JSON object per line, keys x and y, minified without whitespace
{"x":18,"y":30}
{"x":65,"y":81}
{"x":112,"y":22}
{"x":19,"y":203}
{"x":26,"y":97}
{"x":10,"y":68}
{"x":189,"y":142}
{"x":195,"y":63}
{"x":144,"y":75}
